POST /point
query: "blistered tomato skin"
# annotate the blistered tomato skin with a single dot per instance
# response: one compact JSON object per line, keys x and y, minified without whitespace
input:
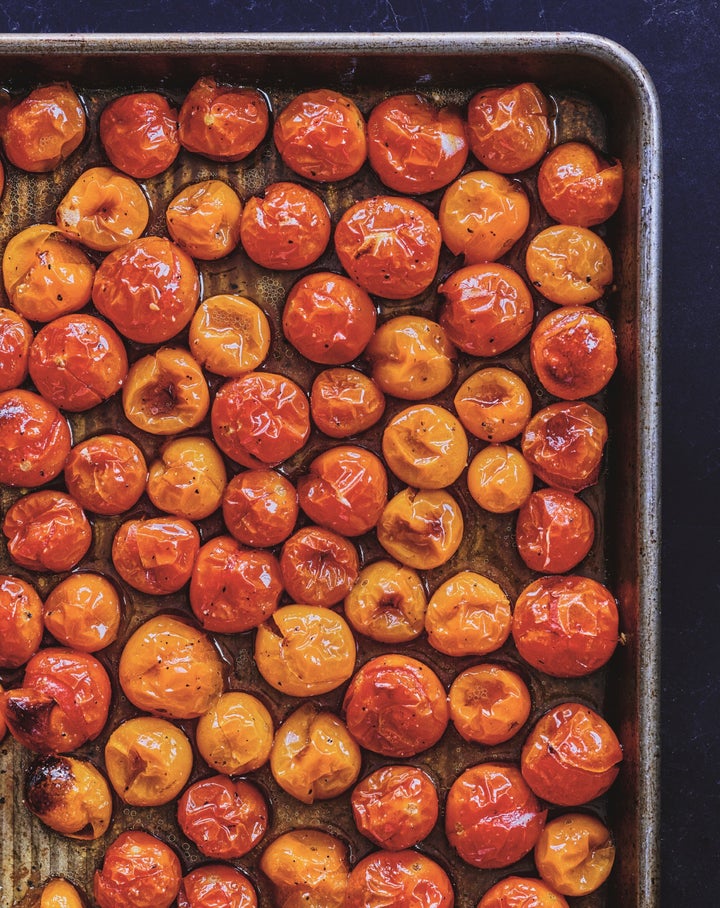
{"x":521,"y":892}
{"x":408,"y":878}
{"x":156,"y":555}
{"x":555,"y":530}
{"x":235,"y":735}
{"x":395,"y":807}
{"x":16,"y":336}
{"x":575,"y":854}
{"x":345,"y":402}
{"x":188,"y":479}
{"x":70,"y":796}
{"x":577,"y":186}
{"x":204,"y":219}
{"x":34,"y":439}
{"x":307,"y":866}
{"x":83,"y":612}
{"x":421,"y":529}
{"x":216,"y":884}
{"x":489,"y":704}
{"x":499,"y":479}
{"x":139,"y":134}
{"x":47,"y":531}
{"x":58,"y":893}
{"x":44,"y":128}
{"x":20,"y":633}
{"x":319,"y":567}
{"x":494,"y":404}
{"x":468,"y":615}
{"x":570,"y":266}
{"x":106,"y":474}
{"x":387,"y":603}
{"x":260,"y":508}
{"x":139,"y":871}
{"x":425,"y":446}
{"x":229,"y":335}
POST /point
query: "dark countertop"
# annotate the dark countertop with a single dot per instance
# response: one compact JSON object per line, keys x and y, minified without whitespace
{"x":677,"y":42}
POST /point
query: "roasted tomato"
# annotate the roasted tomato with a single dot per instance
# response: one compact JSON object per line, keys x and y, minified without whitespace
{"x":148,"y":289}
{"x":156,"y":555}
{"x":77,"y":362}
{"x":235,"y":735}
{"x":387,"y":603}
{"x":395,"y":807}
{"x":260,"y":508}
{"x":47,"y":531}
{"x":321,"y":136}
{"x":509,"y":127}
{"x":521,"y":892}
{"x":204,"y":219}
{"x":224,"y":818}
{"x":577,"y":186}
{"x":21,"y":625}
{"x":573,"y":352}
{"x":492,"y":818}
{"x":307,"y":867}
{"x":45,"y":275}
{"x":345,"y":402}
{"x":319,"y":567}
{"x":305,"y":650}
{"x":139,"y":871}
{"x":34,"y":439}
{"x":222,"y":122}
{"x":570,"y":266}
{"x":216,"y":884}
{"x":415,"y":146}
{"x":468,"y":615}
{"x":64,"y":701}
{"x":408,"y":879}
{"x":16,"y":336}
{"x":44,"y":128}
{"x":313,"y":756}
{"x":58,"y":893}
{"x":260,"y":419}
{"x":555,"y":530}
{"x":396,"y":706}
{"x":499,"y":479}
{"x":565,"y":626}
{"x":83,"y":612}
{"x":148,"y":761}
{"x":390,"y":246}
{"x":421,"y":529}
{"x":189,"y":478}
{"x":70,"y":796}
{"x":169,"y":668}
{"x":233,"y":589}
{"x":166,"y":392}
{"x":287,"y":229}
{"x":106,"y":474}
{"x":344,"y":490}
{"x":425,"y":446}
{"x":139,"y":133}
{"x":229,"y":335}
{"x":489,"y":704}
{"x":564,"y":443}
{"x":482,"y":216}
{"x":494,"y":404}
{"x":103,"y":210}
{"x":488,"y":309}
{"x":575,"y":854}
{"x":411,"y":357}
{"x":571,"y":755}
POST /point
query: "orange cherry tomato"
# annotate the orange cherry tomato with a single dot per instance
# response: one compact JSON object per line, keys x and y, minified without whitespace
{"x":235,"y":735}
{"x":555,"y":530}
{"x":509,"y":127}
{"x":318,"y":566}
{"x":575,"y":854}
{"x":77,"y":362}
{"x":139,"y":871}
{"x":521,"y":892}
{"x":216,"y":884}
{"x":20,"y":621}
{"x":34,"y":439}
{"x":395,"y":807}
{"x":499,"y":479}
{"x":488,"y":309}
{"x":204,"y":219}
{"x":390,"y":246}
{"x":16,"y":336}
{"x":106,"y":474}
{"x":287,"y":229}
{"x":407,"y":878}
{"x":421,"y":529}
{"x":44,"y":128}
{"x":489,"y":704}
{"x":70,"y":796}
{"x":345,"y":402}
{"x":222,"y":122}
{"x":387,"y":603}
{"x":229,"y":335}
{"x":482,"y":216}
{"x":308,"y":866}
{"x":573,"y":352}
{"x":570,"y":266}
{"x":139,"y":133}
{"x":170,"y":669}
{"x":58,"y":893}
{"x":565,"y":626}
{"x":260,"y":419}
{"x":103,"y":210}
{"x":47,"y":531}
{"x":571,"y":755}
{"x":468,"y":615}
{"x":321,"y":135}
{"x":189,"y":478}
{"x":344,"y":490}
{"x":415,"y":146}
{"x":260,"y":508}
{"x":492,"y":818}
{"x":396,"y":706}
{"x":494,"y":404}
{"x":156,"y":555}
{"x":577,"y":186}
{"x":425,"y":446}
{"x":83,"y":612}
{"x":148,"y":289}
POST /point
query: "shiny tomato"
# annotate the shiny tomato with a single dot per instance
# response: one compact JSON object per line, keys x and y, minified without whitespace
{"x":307,"y":866}
{"x":16,"y":336}
{"x":106,"y":474}
{"x":139,"y":133}
{"x":216,"y":885}
{"x":499,"y":479}
{"x":83,"y":612}
{"x":34,"y":439}
{"x":408,"y":879}
{"x":156,"y":555}
{"x":204,"y":219}
{"x":468,"y":615}
{"x":47,"y":531}
{"x":577,"y":186}
{"x":575,"y":854}
{"x":425,"y":446}
{"x":58,"y":893}
{"x":318,"y":566}
{"x":188,"y":479}
{"x":494,"y":404}
{"x":387,"y":603}
{"x":555,"y":530}
{"x":260,"y":508}
{"x":229,"y":335}
{"x":70,"y":796}
{"x":492,"y":818}
{"x":390,"y":246}
{"x":489,"y":704}
{"x":139,"y":871}
{"x":44,"y":128}
{"x":224,"y":818}
{"x":421,"y":529}
{"x":20,"y":632}
{"x":570,"y":266}
{"x":235,"y":735}
{"x":345,"y":402}
{"x":521,"y":892}
{"x":395,"y":807}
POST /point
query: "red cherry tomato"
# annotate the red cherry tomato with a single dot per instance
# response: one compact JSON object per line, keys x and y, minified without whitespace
{"x":106,"y":474}
{"x":403,"y":879}
{"x":345,"y":402}
{"x":139,"y":133}
{"x":34,"y":439}
{"x":139,"y":871}
{"x":577,"y":186}
{"x":47,"y":531}
{"x":83,"y":612}
{"x":216,"y":886}
{"x":44,"y":128}
{"x":156,"y":555}
{"x":260,"y":508}
{"x":318,"y":566}
{"x":395,"y":807}
{"x":521,"y":892}
{"x":20,"y":633}
{"x":16,"y":335}
{"x":555,"y":530}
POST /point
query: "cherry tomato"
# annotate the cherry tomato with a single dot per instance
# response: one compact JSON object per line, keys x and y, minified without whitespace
{"x":575,"y":854}
{"x":235,"y":735}
{"x":204,"y":219}
{"x":554,"y":531}
{"x":34,"y":439}
{"x":139,"y":133}
{"x":189,"y":478}
{"x":70,"y":796}
{"x":139,"y":871}
{"x":16,"y":336}
{"x":321,"y":136}
{"x":390,"y":246}
{"x":521,"y":892}
{"x":20,"y":621}
{"x":168,"y":668}
{"x":415,"y":146}
{"x":570,"y":266}
{"x":425,"y":446}
{"x":224,"y":818}
{"x":44,"y":128}
{"x":260,"y":508}
{"x":408,"y":878}
{"x":499,"y":479}
{"x":577,"y":186}
{"x":229,"y":335}
{"x":345,"y":402}
{"x":307,"y":866}
{"x":494,"y":404}
{"x":421,"y":529}
{"x":509,"y":127}
{"x":395,"y":807}
{"x":47,"y":531}
{"x":216,"y":884}
{"x":58,"y":893}
{"x":106,"y":474}
{"x":396,"y":706}
{"x":319,"y":567}
{"x":468,"y":615}
{"x":489,"y":704}
{"x":492,"y":818}
{"x":156,"y":555}
{"x":387,"y":603}
{"x":571,"y":755}
{"x":83,"y":612}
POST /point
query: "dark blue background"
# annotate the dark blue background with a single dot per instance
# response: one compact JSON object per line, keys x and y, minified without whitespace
{"x":677,"y":40}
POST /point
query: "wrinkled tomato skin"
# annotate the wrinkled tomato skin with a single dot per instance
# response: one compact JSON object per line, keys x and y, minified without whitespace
{"x":20,"y":634}
{"x":395,"y":807}
{"x":47,"y":531}
{"x":58,"y":893}
{"x":521,"y":892}
{"x":499,"y":479}
{"x":307,"y":865}
{"x":260,"y":508}
{"x":188,"y":479}
{"x":34,"y":439}
{"x":489,"y":704}
{"x":577,"y":186}
{"x":229,"y":335}
{"x":139,"y":871}
{"x":44,"y":128}
{"x":319,"y":567}
{"x":387,"y":603}
{"x":570,"y":266}
{"x":84,"y":612}
{"x":575,"y":854}
{"x":235,"y":735}
{"x":421,"y":529}
{"x":216,"y":886}
{"x":345,"y":402}
{"x":139,"y":134}
{"x":106,"y":474}
{"x":204,"y":219}
{"x":409,"y":878}
{"x":156,"y":555}
{"x":425,"y":446}
{"x":468,"y":615}
{"x":555,"y":530}
{"x":16,"y":336}
{"x":494,"y":404}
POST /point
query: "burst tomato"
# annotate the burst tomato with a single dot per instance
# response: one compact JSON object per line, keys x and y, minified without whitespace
{"x":519,"y":892}
{"x":345,"y":402}
{"x":44,"y":128}
{"x":106,"y":474}
{"x":216,"y":885}
{"x":555,"y":530}
{"x":307,"y":865}
{"x":260,"y":508}
{"x":319,"y":567}
{"x":489,"y":704}
{"x":499,"y":479}
{"x":408,"y":878}
{"x":494,"y":404}
{"x":83,"y":612}
{"x":235,"y":735}
{"x":138,"y":871}
{"x":34,"y":439}
{"x":156,"y":555}
{"x":577,"y":186}
{"x":20,"y":633}
{"x":421,"y":529}
{"x":188,"y":479}
{"x":229,"y":335}
{"x":575,"y":854}
{"x":387,"y":603}
{"x":16,"y":336}
{"x":570,"y":266}
{"x":47,"y":531}
{"x":468,"y":615}
{"x":395,"y":807}
{"x":70,"y":796}
{"x":204,"y":219}
{"x":425,"y":446}
{"x":139,"y":133}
